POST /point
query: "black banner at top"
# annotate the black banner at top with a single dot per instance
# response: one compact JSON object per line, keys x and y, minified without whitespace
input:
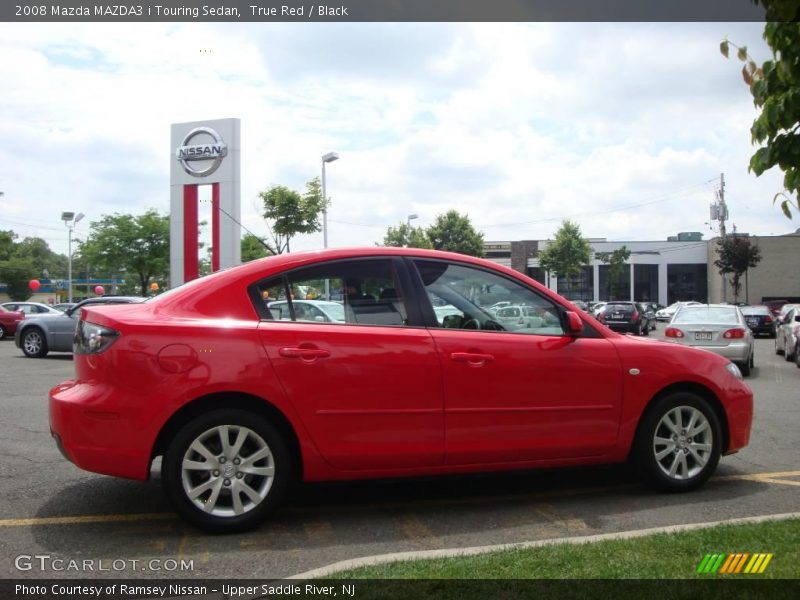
{"x":392,"y":10}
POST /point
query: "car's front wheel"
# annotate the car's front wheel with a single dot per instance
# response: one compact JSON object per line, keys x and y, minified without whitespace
{"x":2,"y":332}
{"x":678,"y":443}
{"x":34,"y":343}
{"x":226,"y":470}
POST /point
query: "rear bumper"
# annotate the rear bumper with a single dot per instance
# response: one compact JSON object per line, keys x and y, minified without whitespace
{"x":90,"y":431}
{"x":739,"y":410}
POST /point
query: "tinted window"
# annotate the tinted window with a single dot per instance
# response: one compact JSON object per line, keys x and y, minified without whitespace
{"x":707,"y":314}
{"x":473,"y":293}
{"x":358,"y":292}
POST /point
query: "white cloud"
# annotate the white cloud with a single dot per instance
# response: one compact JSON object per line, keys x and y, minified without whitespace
{"x":519,"y":125}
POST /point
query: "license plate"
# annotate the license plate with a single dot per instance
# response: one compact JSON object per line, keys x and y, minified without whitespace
{"x":702,"y":335}
{"x":752,"y":322}
{"x":616,"y":316}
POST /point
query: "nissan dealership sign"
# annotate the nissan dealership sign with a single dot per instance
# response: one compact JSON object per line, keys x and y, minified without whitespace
{"x":201,"y":152}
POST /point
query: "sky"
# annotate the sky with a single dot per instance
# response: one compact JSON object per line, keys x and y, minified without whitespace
{"x":622,"y":128}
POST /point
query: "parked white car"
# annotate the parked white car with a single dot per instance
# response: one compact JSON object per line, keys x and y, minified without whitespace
{"x":666,"y":314}
{"x":787,"y":336}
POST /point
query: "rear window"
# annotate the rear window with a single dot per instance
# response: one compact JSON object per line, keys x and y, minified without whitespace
{"x":707,"y":314}
{"x":619,"y":308}
{"x":755,"y":310}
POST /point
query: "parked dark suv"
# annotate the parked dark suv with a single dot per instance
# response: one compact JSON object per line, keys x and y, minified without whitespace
{"x":625,"y":317}
{"x":759,"y":319}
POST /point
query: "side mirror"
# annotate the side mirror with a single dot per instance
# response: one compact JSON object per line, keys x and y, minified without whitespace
{"x":574,"y":324}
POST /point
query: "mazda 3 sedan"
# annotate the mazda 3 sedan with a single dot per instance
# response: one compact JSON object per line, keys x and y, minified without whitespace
{"x":241,"y":397}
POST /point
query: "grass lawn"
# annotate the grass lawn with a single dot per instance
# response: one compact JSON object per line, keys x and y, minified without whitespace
{"x":660,"y":556}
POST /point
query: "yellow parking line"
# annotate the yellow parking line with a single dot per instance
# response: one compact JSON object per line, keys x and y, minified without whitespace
{"x":774,"y":477}
{"x":86,"y":519}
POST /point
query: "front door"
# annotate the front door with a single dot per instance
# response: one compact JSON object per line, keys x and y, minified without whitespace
{"x":518,"y":390}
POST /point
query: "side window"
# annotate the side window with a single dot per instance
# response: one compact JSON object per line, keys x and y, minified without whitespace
{"x":356,"y":292}
{"x":469,"y":298}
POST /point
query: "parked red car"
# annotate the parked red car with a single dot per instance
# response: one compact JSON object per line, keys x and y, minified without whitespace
{"x":9,"y":319}
{"x":240,"y":400}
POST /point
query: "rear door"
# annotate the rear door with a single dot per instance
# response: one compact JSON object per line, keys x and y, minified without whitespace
{"x":368,"y":389}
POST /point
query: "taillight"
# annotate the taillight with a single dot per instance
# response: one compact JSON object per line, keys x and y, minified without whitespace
{"x":601,"y":317}
{"x":673,"y":332}
{"x":92,"y":339}
{"x":635,"y":316}
{"x":733,"y":334}
{"x":768,"y":319}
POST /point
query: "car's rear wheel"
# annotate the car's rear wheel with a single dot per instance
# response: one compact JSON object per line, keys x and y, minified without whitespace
{"x":746,"y":367}
{"x":778,"y":349}
{"x":797,"y":355}
{"x":226,"y":470}
{"x":678,"y":443}
{"x":34,"y":343}
{"x":789,"y":352}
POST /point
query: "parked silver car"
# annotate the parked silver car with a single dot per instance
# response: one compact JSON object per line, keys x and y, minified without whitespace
{"x":787,"y":336}
{"x":53,"y":332}
{"x":321,"y":311}
{"x":720,"y":328}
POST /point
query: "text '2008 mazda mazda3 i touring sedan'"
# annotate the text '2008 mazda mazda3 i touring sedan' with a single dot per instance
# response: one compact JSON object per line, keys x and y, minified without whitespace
{"x":240,"y":401}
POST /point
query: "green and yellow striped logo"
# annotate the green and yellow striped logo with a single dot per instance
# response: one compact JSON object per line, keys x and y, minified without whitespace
{"x":734,"y":563}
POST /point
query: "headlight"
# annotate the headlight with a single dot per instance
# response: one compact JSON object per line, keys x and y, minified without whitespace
{"x":734,"y":370}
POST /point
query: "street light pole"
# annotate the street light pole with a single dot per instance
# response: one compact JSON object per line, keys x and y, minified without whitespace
{"x":70,"y":219}
{"x":326,"y":158}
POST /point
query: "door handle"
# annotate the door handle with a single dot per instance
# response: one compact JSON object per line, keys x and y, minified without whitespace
{"x":304,"y":353}
{"x":471,"y":357}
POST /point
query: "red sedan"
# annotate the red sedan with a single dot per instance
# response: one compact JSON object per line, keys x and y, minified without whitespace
{"x":241,"y":392}
{"x":9,"y":319}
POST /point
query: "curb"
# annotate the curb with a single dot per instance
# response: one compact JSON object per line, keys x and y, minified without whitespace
{"x":378,"y":559}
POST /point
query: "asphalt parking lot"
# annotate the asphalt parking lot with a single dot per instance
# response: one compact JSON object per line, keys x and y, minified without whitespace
{"x":50,"y":508}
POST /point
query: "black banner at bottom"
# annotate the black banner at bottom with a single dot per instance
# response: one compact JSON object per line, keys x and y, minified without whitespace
{"x":400,"y":589}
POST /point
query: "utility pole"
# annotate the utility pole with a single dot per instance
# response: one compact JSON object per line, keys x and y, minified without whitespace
{"x":719,"y":211}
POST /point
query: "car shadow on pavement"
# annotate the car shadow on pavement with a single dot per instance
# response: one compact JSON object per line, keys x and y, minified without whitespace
{"x":395,"y":515}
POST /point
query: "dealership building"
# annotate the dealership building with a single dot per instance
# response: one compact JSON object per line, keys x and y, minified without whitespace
{"x":679,"y":268}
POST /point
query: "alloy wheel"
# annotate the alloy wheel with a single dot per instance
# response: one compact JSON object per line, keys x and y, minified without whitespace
{"x":683,"y":443}
{"x":32,"y":343}
{"x":227,"y":470}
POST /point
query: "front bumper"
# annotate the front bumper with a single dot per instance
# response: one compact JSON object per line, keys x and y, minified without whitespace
{"x":91,"y":431}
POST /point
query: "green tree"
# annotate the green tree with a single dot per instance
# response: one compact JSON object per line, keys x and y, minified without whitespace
{"x":736,"y":255}
{"x":289,"y":213}
{"x":775,"y":87}
{"x":616,"y":267}
{"x":406,"y":236}
{"x":567,"y":253}
{"x":22,"y":261}
{"x":253,"y":247}
{"x":454,"y":232}
{"x":16,"y":272}
{"x":137,"y":245}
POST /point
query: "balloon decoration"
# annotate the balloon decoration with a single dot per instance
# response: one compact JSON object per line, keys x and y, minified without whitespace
{"x":154,"y":287}
{"x":99,"y":290}
{"x":34,"y":285}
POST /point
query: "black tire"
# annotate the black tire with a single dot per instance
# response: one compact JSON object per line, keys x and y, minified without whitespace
{"x":203,"y":429}
{"x":778,"y":351}
{"x":797,"y":356}
{"x":789,"y":356}
{"x":646,"y":329}
{"x":654,"y":471}
{"x":2,"y":332}
{"x":745,"y":367}
{"x":34,"y":343}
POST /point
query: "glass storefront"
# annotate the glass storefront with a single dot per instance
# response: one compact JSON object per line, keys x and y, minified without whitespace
{"x":687,"y":282}
{"x":579,"y":287}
